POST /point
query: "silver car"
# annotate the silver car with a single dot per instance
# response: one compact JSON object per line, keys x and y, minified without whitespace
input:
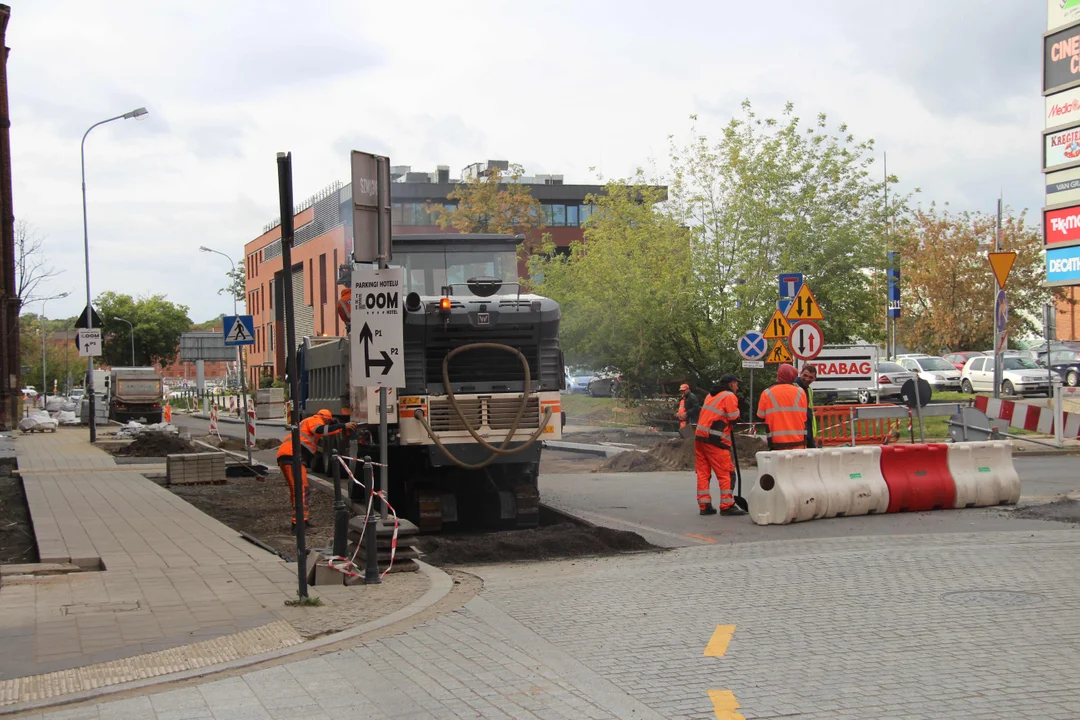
{"x":939,"y":372}
{"x":1019,"y":376}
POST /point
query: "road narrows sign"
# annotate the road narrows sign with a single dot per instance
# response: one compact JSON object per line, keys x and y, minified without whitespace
{"x":806,"y":340}
{"x":378,"y":328}
{"x":804,"y":306}
{"x":778,"y":354}
{"x":778,"y":327}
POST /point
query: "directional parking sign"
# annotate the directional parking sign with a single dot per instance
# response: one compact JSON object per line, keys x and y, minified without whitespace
{"x":378,"y":328}
{"x":90,"y":343}
{"x":239,"y":330}
{"x":753,"y":345}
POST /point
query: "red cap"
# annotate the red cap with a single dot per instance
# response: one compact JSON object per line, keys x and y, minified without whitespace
{"x":684,"y":386}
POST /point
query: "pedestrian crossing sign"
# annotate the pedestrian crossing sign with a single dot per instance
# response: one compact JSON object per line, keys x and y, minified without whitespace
{"x":778,"y":354}
{"x":239,"y":330}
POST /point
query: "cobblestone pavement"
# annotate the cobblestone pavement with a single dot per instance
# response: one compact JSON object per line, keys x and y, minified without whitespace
{"x":979,"y":625}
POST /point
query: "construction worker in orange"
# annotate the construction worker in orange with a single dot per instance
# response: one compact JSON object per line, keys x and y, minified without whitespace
{"x":783,"y":408}
{"x":689,"y":406}
{"x":285,"y":458}
{"x":344,"y":307}
{"x":712,"y":446}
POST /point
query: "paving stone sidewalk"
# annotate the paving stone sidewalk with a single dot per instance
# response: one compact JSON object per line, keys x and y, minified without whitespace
{"x":172,"y":574}
{"x":955,"y":626}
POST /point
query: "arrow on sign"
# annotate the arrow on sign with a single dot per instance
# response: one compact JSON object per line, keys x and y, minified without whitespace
{"x":386,"y":363}
{"x":806,"y":340}
{"x":805,"y":306}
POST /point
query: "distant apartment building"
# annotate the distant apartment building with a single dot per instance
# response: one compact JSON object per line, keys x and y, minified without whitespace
{"x":323,"y":242}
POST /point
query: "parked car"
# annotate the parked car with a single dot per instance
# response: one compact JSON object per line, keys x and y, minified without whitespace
{"x":890,"y":379}
{"x":1065,"y":363}
{"x":77,"y":395}
{"x":1019,"y":376}
{"x":940,"y":373}
{"x":577,"y":381}
{"x":29,"y":391}
{"x":1040,"y":348}
{"x":604,"y":384}
{"x":959,"y":358}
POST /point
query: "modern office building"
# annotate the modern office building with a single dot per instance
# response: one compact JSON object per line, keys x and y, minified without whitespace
{"x":323,"y":242}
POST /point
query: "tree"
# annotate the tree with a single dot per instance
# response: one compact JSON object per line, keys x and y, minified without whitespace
{"x":497,"y":203}
{"x":31,"y":267}
{"x":157,"y":324}
{"x":948,"y":286}
{"x":210,"y":325}
{"x":61,"y":356}
{"x":237,"y":287}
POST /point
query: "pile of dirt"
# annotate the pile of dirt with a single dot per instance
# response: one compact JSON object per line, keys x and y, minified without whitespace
{"x":564,"y":540}
{"x":262,"y":509}
{"x":158,"y":444}
{"x":17,"y":541}
{"x":237,"y":444}
{"x":1063,"y":510}
{"x":678,"y":454}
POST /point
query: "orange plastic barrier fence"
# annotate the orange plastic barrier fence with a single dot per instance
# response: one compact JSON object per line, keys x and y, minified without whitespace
{"x":835,"y":423}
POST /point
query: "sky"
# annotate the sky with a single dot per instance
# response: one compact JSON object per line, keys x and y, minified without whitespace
{"x":949,"y":89}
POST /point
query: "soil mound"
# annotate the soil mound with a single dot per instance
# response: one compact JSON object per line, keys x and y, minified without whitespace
{"x":564,"y":540}
{"x":678,"y":454}
{"x":237,"y":444}
{"x":1063,"y":510}
{"x":157,"y":444}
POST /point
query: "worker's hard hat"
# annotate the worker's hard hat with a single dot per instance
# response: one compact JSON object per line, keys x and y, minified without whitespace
{"x":684,"y":386}
{"x":324,"y":413}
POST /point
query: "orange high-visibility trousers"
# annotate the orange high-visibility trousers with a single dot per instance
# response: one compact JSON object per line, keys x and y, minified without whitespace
{"x":709,"y":459}
{"x":285,"y":463}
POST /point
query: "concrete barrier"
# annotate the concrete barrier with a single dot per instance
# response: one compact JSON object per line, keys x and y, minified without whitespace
{"x":918,"y":477}
{"x":789,"y":488}
{"x":984,"y":474}
{"x":853,"y":481}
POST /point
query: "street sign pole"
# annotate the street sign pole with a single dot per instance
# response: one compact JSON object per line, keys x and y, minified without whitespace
{"x":285,"y":196}
{"x":753,"y":425}
{"x":997,"y":288}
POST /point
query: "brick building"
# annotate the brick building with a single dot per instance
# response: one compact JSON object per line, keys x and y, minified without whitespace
{"x":323,"y":242}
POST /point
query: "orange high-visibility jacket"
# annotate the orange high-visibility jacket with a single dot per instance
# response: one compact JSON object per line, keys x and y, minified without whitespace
{"x":344,"y":306}
{"x":717,"y":418}
{"x":783,"y":408}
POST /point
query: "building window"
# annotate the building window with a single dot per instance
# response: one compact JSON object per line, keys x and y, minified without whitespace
{"x":572,"y":215}
{"x":322,"y":278}
{"x":415,"y":213}
{"x":270,"y":337}
{"x":558,"y":215}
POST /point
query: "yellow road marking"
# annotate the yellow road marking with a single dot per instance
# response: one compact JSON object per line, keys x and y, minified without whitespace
{"x":718,"y":643}
{"x":724,"y":705}
{"x":700,"y":537}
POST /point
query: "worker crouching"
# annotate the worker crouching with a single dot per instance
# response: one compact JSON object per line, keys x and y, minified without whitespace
{"x":713,"y":436}
{"x":318,"y":425}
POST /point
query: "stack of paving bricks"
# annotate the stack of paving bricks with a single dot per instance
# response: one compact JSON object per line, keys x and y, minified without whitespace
{"x":195,"y":468}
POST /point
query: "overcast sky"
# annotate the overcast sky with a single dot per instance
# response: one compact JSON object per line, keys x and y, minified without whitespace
{"x":950,"y":89}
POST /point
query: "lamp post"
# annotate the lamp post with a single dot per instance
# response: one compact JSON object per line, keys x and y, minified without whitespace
{"x":132,"y":327}
{"x":239,"y":351}
{"x":44,"y":382}
{"x":136,"y":113}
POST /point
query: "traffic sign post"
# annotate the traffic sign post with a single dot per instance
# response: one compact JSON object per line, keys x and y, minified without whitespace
{"x":806,"y":340}
{"x":753,"y":346}
{"x":89,"y":343}
{"x":1002,"y":263}
{"x":804,"y":306}
{"x":239,"y":330}
{"x":778,"y":354}
{"x":378,"y":328}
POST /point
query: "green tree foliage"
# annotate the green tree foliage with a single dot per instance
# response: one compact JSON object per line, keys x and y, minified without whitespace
{"x":948,"y":285}
{"x":158,"y":325}
{"x":495,"y":203}
{"x":237,"y":287}
{"x":61,"y":356}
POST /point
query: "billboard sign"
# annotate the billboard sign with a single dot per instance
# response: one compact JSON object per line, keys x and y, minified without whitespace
{"x":1063,"y":265}
{"x":1061,"y":59}
{"x":1061,"y":12}
{"x":1063,"y":108}
{"x":844,"y":367}
{"x":1062,"y":227}
{"x":1061,"y":148}
{"x":370,"y":195}
{"x":1063,"y":187}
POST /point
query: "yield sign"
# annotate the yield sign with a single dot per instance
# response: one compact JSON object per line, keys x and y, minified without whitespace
{"x":1002,"y":263}
{"x":804,"y":306}
{"x":778,"y":327}
{"x":806,"y":340}
{"x":778,"y":354}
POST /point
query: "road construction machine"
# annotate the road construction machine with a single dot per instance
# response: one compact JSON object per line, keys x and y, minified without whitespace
{"x":483,"y":374}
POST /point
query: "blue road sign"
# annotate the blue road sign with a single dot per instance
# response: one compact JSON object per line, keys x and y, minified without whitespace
{"x":894,"y":285}
{"x":753,"y":345}
{"x":239,"y":330}
{"x":1001,"y":311}
{"x":790,"y":284}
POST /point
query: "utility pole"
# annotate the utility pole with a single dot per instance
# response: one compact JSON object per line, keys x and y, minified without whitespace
{"x":998,"y":358}
{"x":10,"y":364}
{"x":888,"y":271}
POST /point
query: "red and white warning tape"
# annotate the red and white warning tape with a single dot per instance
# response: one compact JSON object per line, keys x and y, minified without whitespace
{"x":348,"y":566}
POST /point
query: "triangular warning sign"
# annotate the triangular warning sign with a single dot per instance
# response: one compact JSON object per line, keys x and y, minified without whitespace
{"x":778,"y":354}
{"x":1002,"y":263}
{"x":804,"y":306}
{"x":778,"y":327}
{"x":238,"y":333}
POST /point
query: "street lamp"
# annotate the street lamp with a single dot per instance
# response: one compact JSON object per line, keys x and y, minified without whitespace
{"x":44,"y":382}
{"x":132,"y":339}
{"x":239,"y":350}
{"x":136,"y":113}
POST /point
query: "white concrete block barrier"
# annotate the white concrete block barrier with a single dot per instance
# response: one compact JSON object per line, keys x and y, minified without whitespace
{"x":789,"y":488}
{"x":853,"y":480}
{"x":984,"y":474}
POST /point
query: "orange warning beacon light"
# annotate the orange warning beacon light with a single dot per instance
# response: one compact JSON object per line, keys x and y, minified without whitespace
{"x":444,"y":304}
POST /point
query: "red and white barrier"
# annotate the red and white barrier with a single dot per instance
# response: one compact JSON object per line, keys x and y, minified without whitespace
{"x":251,"y":427}
{"x":1033,"y":418}
{"x":214,"y":420}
